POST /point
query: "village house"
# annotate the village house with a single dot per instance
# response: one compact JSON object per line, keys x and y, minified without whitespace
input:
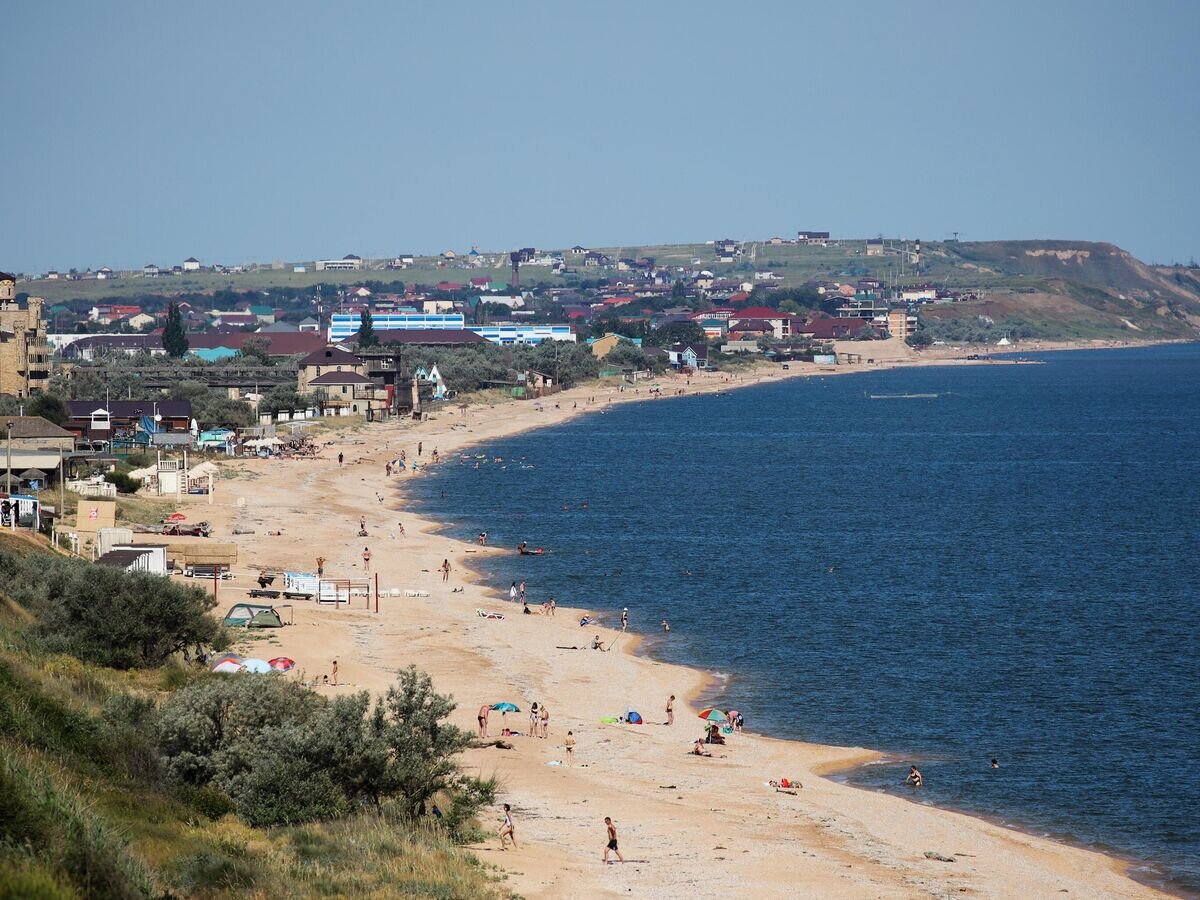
{"x":688,"y":356}
{"x":150,"y":270}
{"x":781,"y":322}
{"x":824,"y":328}
{"x":191,"y":264}
{"x":348,"y":392}
{"x":347,"y":263}
{"x":819,"y":238}
{"x":113,"y":419}
{"x":602,"y":346}
{"x":874,"y":246}
{"x":91,"y":347}
{"x":727,"y":250}
{"x":36,"y":446}
{"x":327,"y":360}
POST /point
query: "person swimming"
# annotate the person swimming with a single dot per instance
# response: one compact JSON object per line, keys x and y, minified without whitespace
{"x":915,"y":778}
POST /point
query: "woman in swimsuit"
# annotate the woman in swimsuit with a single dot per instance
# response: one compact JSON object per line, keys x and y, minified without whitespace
{"x":506,"y":830}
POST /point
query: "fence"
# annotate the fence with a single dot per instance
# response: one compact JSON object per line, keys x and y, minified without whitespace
{"x":93,"y":489}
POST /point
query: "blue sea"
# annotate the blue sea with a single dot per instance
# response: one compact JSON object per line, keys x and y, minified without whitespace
{"x":1008,"y":570}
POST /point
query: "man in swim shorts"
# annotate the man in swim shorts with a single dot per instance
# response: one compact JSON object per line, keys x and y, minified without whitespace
{"x":612,"y":841}
{"x":483,"y":720}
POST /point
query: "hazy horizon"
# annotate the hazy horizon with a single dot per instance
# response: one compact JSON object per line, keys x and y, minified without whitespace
{"x":146,"y":133}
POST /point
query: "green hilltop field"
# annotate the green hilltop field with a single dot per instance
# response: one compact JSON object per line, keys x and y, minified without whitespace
{"x":1054,"y":289}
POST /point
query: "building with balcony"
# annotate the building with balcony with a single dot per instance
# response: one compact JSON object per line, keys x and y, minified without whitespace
{"x":24,"y":354}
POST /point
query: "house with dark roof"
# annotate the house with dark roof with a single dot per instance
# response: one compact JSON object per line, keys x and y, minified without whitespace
{"x":781,"y":322}
{"x":348,"y":393}
{"x":109,"y":419}
{"x":825,"y":328}
{"x":93,"y":346}
{"x":327,"y":361}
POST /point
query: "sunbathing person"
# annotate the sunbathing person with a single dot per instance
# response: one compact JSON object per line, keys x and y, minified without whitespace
{"x":698,"y":749}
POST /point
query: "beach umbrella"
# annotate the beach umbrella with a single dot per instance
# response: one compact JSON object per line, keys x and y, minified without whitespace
{"x":506,"y":707}
{"x":712,"y":714}
{"x":225,"y":656}
{"x":175,"y":517}
{"x":227,"y":666}
{"x":257,"y":666}
{"x":281,"y":664}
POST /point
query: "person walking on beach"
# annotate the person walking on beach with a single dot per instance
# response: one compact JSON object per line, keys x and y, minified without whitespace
{"x":914,"y":777}
{"x":522,"y":590}
{"x":624,"y":618}
{"x":534,"y":713}
{"x":512,"y":593}
{"x":320,"y":566}
{"x":333,"y":674}
{"x":366,"y":555}
{"x":553,"y":606}
{"x":507,"y":830}
{"x":483,"y":720}
{"x":362,"y":524}
{"x":387,"y":469}
{"x":419,"y":445}
{"x":671,"y":710}
{"x":545,"y":721}
{"x":445,"y":570}
{"x":570,"y":747}
{"x":611,"y":846}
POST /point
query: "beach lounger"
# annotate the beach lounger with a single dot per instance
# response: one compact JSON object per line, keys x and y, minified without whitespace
{"x":488,"y":615}
{"x":297,"y":595}
{"x":262,"y":592}
{"x":411,"y":593}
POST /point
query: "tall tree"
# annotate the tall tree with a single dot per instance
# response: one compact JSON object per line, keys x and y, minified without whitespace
{"x":175,"y":341}
{"x":366,"y":330}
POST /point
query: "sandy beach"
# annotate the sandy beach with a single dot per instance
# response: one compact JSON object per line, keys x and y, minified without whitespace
{"x":689,"y":826}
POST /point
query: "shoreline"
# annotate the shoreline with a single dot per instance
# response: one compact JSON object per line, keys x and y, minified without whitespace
{"x":635,"y":661}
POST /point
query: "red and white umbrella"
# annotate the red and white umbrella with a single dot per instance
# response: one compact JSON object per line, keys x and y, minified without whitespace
{"x":282,"y":664}
{"x":228,"y":666}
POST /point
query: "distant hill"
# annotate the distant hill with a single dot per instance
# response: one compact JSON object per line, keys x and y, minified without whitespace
{"x":1047,"y":288}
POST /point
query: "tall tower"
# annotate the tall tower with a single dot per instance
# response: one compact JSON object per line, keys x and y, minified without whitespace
{"x":917,"y":255}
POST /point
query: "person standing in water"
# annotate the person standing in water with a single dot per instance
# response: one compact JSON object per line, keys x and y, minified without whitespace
{"x":915,"y":778}
{"x":625,"y":618}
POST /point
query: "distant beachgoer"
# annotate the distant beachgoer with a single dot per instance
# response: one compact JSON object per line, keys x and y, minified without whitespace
{"x":915,"y":778}
{"x":333,"y":674}
{"x":995,"y":763}
{"x":512,"y":593}
{"x":445,"y":570}
{"x":483,"y":720}
{"x":419,"y":445}
{"x":666,"y":626}
{"x":521,"y":547}
{"x":387,"y":470}
{"x":525,"y":608}
{"x":533,"y":719}
{"x":597,"y":644}
{"x":625,"y":618}
{"x":366,"y":556}
{"x":435,"y":455}
{"x":584,"y":621}
{"x":570,"y":747}
{"x":341,"y":459}
{"x":362,"y":523}
{"x":671,"y":710}
{"x":522,"y":590}
{"x":698,"y":748}
{"x":320,"y":566}
{"x":482,"y":538}
{"x":400,"y":525}
{"x":611,"y":846}
{"x":553,"y":606}
{"x":545,"y":720}
{"x":507,"y":830}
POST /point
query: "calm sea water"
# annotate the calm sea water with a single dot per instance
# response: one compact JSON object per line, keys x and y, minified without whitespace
{"x":1008,"y":570}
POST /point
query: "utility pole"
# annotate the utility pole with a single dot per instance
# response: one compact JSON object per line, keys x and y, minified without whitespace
{"x":8,"y":470}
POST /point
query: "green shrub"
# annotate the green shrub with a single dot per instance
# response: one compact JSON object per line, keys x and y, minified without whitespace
{"x":125,"y":484}
{"x":284,"y":755}
{"x":23,"y":879}
{"x":106,"y":616}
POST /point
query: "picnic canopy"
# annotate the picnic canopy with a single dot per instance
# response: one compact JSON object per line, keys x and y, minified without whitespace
{"x":253,"y":615}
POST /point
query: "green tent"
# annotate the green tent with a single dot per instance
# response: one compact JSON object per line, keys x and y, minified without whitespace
{"x":254,"y":615}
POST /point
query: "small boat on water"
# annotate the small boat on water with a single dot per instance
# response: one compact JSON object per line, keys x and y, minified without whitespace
{"x":904,"y":396}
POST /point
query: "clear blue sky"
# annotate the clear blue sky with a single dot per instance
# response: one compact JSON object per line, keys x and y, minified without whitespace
{"x":152,"y":131}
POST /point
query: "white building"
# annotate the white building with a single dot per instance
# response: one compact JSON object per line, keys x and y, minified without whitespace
{"x":191,"y":264}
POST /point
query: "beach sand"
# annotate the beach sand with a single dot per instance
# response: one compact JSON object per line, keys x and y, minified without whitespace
{"x":697,"y":827}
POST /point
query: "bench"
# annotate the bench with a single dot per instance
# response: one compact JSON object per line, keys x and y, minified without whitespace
{"x":296,"y":595}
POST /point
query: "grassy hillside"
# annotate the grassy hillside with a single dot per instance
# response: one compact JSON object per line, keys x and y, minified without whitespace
{"x":86,"y":811}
